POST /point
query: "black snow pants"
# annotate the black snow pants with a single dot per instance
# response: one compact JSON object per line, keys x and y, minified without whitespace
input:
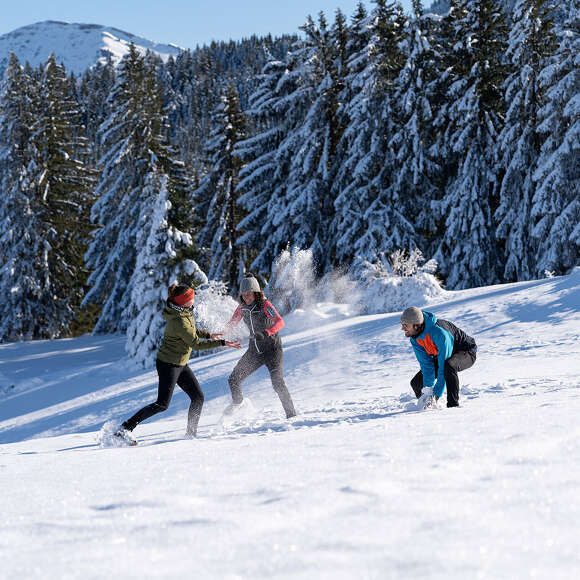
{"x":169,"y":376}
{"x":459,"y":361}
{"x":250,"y":362}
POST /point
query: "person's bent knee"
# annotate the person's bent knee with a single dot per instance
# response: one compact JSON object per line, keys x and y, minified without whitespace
{"x":160,"y":407}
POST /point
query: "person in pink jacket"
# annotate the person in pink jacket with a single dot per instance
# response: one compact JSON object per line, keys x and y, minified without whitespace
{"x":265,"y":346}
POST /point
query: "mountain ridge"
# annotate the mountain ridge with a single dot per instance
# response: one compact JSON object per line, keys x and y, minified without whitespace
{"x":79,"y":46}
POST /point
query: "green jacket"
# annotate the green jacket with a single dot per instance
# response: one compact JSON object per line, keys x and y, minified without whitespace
{"x":181,"y":336}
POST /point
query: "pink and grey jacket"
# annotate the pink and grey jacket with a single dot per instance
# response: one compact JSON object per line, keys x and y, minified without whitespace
{"x":260,"y":319}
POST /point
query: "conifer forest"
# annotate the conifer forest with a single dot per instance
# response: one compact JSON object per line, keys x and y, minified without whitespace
{"x":359,"y":136}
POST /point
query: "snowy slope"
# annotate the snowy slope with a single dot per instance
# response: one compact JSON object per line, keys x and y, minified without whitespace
{"x":78,"y":46}
{"x":360,"y":485}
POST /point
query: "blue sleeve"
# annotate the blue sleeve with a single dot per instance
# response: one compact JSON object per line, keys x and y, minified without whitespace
{"x":444,"y":343}
{"x":426,"y":363}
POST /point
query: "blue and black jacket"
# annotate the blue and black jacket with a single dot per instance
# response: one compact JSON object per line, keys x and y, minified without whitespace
{"x":439,"y":340}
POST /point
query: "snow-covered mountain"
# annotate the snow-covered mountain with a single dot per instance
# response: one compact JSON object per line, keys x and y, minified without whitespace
{"x":78,"y":46}
{"x":359,"y":485}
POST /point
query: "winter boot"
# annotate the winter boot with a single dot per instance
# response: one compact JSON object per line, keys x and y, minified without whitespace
{"x":126,"y":436}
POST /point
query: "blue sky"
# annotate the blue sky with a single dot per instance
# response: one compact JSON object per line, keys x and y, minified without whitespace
{"x":182,"y":22}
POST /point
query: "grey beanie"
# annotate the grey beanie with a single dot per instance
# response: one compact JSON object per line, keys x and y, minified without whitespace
{"x":250,"y":284}
{"x":412,"y":315}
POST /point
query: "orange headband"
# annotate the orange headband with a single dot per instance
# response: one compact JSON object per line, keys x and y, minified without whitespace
{"x":184,"y":298}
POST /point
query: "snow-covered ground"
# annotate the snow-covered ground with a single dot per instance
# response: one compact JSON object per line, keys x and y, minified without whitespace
{"x":360,"y":485}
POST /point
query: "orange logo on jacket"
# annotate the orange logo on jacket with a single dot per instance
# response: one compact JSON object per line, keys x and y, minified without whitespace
{"x":428,"y":345}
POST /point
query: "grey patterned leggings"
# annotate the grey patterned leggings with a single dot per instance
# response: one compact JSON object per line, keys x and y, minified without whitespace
{"x":250,"y":362}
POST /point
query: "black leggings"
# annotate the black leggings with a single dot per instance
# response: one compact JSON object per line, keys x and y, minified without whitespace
{"x":169,"y":376}
{"x":250,"y":362}
{"x":460,"y":361}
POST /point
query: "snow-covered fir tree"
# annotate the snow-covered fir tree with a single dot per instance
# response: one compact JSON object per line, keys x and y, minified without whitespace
{"x":23,"y":237}
{"x":160,"y":261}
{"x":111,"y":255}
{"x":260,"y":175}
{"x":50,"y":185}
{"x":65,"y":181}
{"x":531,"y":43}
{"x":295,"y":108}
{"x":136,"y":161}
{"x":417,"y":179}
{"x":556,"y":203}
{"x":387,"y":219}
{"x":217,"y":195}
{"x":47,"y":185}
{"x":278,"y":112}
{"x":309,"y":203}
{"x":94,"y":90}
{"x":468,"y":253}
{"x":352,"y":170}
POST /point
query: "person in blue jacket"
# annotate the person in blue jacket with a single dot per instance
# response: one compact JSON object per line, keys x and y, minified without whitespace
{"x":442,"y":350}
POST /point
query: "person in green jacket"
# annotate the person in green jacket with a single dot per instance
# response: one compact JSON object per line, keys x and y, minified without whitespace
{"x":181,"y":335}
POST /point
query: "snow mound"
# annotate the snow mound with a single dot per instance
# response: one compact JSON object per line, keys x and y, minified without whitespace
{"x":395,"y":293}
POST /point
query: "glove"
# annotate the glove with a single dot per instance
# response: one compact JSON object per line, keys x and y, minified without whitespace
{"x":427,"y":399}
{"x":259,"y":335}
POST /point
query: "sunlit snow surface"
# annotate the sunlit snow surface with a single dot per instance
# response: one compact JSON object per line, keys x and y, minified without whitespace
{"x":359,"y":485}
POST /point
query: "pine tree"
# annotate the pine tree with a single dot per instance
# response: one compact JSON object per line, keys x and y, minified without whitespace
{"x":386,"y":226}
{"x":95,"y":87}
{"x":352,"y":164}
{"x":280,"y":110}
{"x":310,"y":203}
{"x":217,"y":196}
{"x":417,"y":179}
{"x":23,"y":237}
{"x":467,"y":252}
{"x":531,"y":43}
{"x":159,"y":262}
{"x":137,"y":161}
{"x":368,"y":219}
{"x":556,"y":203}
{"x":64,"y":180}
{"x":47,"y":185}
{"x":261,"y":175}
{"x":53,"y":188}
{"x":111,"y":255}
